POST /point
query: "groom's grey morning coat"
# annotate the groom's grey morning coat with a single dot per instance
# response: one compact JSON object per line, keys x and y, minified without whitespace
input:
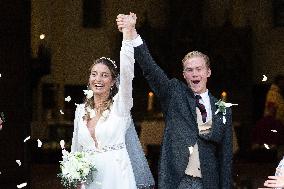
{"x":181,"y":131}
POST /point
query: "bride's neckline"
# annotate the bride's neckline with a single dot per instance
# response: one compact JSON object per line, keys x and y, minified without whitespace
{"x":93,"y":128}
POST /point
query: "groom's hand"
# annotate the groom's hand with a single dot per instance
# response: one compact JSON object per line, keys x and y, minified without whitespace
{"x":126,"y":25}
{"x":120,"y":21}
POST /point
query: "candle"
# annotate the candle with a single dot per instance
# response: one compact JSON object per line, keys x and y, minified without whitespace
{"x":224,"y":96}
{"x":150,"y":101}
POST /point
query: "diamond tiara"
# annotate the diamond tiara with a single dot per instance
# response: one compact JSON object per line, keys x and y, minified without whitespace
{"x":112,"y":61}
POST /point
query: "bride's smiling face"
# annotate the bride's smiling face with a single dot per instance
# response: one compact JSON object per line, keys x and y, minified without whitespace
{"x":101,"y":79}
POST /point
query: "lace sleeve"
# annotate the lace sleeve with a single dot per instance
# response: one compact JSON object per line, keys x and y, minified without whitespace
{"x":124,"y":101}
{"x":75,"y":146}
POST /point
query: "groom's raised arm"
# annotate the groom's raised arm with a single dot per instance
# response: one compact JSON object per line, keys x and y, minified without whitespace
{"x":155,"y":76}
{"x":157,"y":79}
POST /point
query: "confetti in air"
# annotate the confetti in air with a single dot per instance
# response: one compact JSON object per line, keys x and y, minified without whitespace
{"x":22,"y":185}
{"x":264,"y":78}
{"x":62,"y":144}
{"x":274,"y":131}
{"x":0,"y":75}
{"x":61,"y":112}
{"x":88,"y":93}
{"x":28,"y":138}
{"x":266,"y":146}
{"x":39,"y":143}
{"x":19,"y":162}
{"x":67,"y":99}
{"x":92,"y":113}
{"x":190,"y":149}
{"x":224,"y":120}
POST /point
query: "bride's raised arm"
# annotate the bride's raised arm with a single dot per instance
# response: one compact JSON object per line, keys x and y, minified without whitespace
{"x":124,"y":97}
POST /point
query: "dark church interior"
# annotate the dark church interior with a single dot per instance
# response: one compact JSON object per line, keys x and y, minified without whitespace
{"x":244,"y":40}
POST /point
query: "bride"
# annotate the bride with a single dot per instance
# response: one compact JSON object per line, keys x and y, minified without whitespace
{"x":103,"y":124}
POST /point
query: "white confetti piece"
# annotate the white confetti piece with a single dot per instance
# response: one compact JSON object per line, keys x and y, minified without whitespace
{"x":224,"y":120}
{"x":28,"y":138}
{"x":274,"y":131}
{"x":264,"y":78}
{"x":92,"y":112}
{"x":19,"y":162}
{"x":39,"y":143}
{"x":0,"y":75}
{"x":22,"y":185}
{"x":62,"y":144}
{"x":266,"y":146}
{"x":217,"y":111}
{"x":190,"y":149}
{"x":88,"y":93}
{"x":61,"y":112}
{"x":67,"y":99}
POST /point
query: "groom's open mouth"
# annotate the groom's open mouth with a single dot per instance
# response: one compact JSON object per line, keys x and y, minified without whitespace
{"x":195,"y":81}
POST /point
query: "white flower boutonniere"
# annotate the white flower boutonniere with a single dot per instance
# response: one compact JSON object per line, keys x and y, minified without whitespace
{"x":222,"y":108}
{"x":89,"y":93}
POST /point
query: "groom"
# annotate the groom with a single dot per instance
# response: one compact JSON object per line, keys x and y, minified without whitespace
{"x":196,"y":150}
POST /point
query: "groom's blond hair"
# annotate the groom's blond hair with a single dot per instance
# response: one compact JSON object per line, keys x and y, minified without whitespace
{"x":196,"y":54}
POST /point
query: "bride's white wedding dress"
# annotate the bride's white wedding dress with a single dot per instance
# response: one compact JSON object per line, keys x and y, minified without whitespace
{"x":114,"y":170}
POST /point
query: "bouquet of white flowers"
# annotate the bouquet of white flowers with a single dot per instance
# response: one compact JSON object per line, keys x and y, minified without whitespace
{"x":76,"y":168}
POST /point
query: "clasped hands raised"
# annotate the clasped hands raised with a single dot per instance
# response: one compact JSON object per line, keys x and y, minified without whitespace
{"x":126,"y":25}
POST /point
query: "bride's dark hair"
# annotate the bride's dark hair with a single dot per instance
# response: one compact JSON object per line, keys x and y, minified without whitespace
{"x":89,"y":102}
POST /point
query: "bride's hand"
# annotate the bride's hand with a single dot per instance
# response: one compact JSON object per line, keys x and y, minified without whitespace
{"x":126,"y":25}
{"x":275,"y":182}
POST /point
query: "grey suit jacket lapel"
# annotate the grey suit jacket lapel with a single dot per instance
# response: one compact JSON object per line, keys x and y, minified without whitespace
{"x":192,"y":105}
{"x":213,"y":100}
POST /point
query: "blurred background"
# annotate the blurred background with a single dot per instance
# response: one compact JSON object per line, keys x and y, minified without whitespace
{"x":47,"y":47}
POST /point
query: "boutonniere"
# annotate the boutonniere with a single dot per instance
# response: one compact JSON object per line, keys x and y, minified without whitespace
{"x":222,"y":108}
